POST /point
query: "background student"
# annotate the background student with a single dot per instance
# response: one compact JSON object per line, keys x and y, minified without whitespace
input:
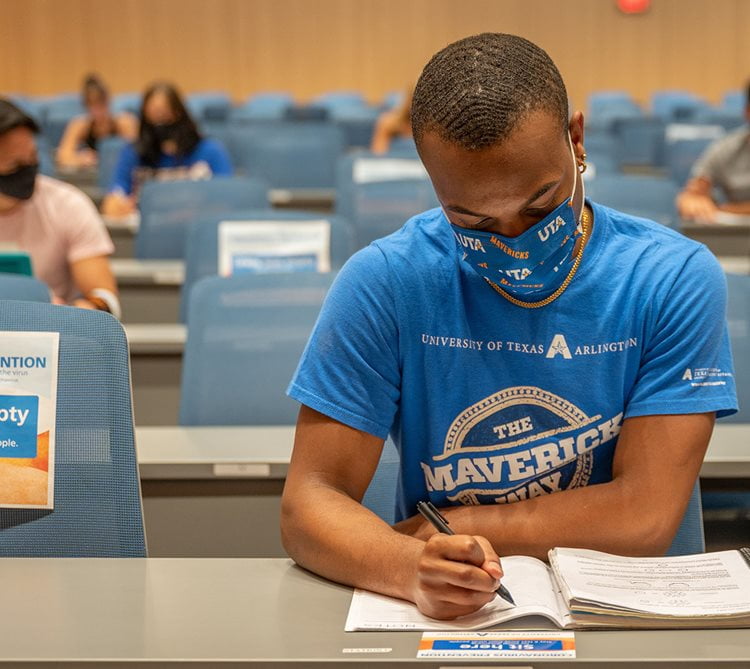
{"x":78,"y":147}
{"x":392,"y":124}
{"x":169,"y":146}
{"x":54,"y":222}
{"x":724,"y":166}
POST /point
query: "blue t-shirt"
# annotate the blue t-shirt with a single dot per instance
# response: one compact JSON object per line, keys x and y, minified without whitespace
{"x":489,"y":402}
{"x":208,"y":154}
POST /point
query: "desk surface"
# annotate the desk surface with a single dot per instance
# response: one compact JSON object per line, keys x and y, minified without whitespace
{"x":131,"y":271}
{"x":192,"y":450}
{"x":260,"y":612}
{"x":735,"y":265}
{"x":157,"y":338}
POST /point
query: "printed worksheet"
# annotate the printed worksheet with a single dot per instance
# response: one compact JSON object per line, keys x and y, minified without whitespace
{"x":689,"y":585}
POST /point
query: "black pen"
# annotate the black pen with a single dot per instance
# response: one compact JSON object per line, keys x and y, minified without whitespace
{"x":439,"y":522}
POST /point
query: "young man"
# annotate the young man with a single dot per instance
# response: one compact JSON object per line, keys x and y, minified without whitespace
{"x":56,"y":224}
{"x":725,"y":165}
{"x":549,"y":369}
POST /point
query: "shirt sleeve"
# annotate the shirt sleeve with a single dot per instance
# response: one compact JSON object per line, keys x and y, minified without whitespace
{"x":350,"y":368}
{"x":686,"y":366}
{"x":122,"y":181}
{"x":217,"y":158}
{"x":87,"y":234}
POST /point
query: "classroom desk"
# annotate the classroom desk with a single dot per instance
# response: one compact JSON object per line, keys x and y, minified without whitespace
{"x":213,"y":491}
{"x":723,"y":240}
{"x":265,"y":613}
{"x":122,"y":229}
{"x":149,"y":289}
{"x":735,"y":265}
{"x":200,"y":484}
{"x":155,"y":369}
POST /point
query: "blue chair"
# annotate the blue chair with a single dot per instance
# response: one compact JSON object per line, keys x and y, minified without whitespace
{"x":392,"y":100}
{"x":648,"y":197}
{"x":263,"y":107}
{"x":676,"y":105}
{"x":734,"y":102}
{"x":108,"y":150}
{"x":381,"y":202}
{"x":640,"y":140}
{"x":724,"y":118}
{"x":202,"y":249}
{"x":54,"y":126}
{"x":25,"y":288}
{"x":168,"y":207}
{"x":209,"y":106}
{"x":404,"y":147}
{"x":690,"y":538}
{"x":357,"y":124}
{"x":288,"y":155}
{"x":680,"y":156}
{"x":46,"y":161}
{"x":601,"y":102}
{"x":246,"y":334}
{"x":606,"y":108}
{"x":126,"y":102}
{"x":336,"y":101}
{"x":97,"y":489}
{"x":738,"y":319}
{"x":380,"y":496}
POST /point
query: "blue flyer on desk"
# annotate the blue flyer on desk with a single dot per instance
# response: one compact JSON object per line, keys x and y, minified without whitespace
{"x":513,"y":644}
{"x":28,"y":400}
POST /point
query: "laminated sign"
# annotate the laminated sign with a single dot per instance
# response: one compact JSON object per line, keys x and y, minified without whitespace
{"x":28,"y":400}
{"x":261,"y":247}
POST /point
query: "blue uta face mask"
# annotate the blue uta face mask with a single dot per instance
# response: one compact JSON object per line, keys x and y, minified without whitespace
{"x":533,"y":263}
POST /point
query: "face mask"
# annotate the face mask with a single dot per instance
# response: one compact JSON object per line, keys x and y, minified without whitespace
{"x":165,"y":132}
{"x":535,"y":262}
{"x":19,"y":184}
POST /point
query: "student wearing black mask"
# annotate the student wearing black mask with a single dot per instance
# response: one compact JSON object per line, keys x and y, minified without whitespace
{"x":52,"y":221}
{"x":169,"y":147}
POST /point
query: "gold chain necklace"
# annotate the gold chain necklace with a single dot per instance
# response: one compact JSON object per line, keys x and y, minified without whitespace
{"x":586,"y":220}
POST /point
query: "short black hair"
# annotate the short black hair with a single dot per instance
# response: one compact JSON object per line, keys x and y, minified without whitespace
{"x":148,"y":145}
{"x":12,"y":117}
{"x":475,"y":91}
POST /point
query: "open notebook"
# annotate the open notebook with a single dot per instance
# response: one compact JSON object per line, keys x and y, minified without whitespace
{"x":584,"y":588}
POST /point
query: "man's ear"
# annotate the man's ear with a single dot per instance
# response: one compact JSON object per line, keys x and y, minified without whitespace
{"x":575,"y":126}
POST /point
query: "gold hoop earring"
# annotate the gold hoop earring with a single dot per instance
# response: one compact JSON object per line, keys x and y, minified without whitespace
{"x":583,"y":166}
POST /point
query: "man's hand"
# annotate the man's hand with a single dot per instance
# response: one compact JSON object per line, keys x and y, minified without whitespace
{"x":456,"y":575}
{"x":83,"y":303}
{"x":695,"y":207}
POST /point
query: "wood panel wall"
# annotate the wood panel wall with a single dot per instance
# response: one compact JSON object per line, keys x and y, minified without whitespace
{"x":311,"y":46}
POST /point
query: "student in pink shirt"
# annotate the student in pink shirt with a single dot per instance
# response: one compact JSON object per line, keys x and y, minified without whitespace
{"x":54,"y":222}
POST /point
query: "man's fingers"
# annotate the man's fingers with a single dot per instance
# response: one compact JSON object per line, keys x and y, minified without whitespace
{"x":491,"y":562}
{"x":460,"y":561}
{"x":460,"y":548}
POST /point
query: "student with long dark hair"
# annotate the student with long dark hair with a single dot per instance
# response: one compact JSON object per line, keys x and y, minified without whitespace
{"x":169,"y":147}
{"x":79,"y":144}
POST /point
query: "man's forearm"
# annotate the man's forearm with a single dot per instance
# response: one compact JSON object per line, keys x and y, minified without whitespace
{"x":336,"y":537}
{"x":600,"y":517}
